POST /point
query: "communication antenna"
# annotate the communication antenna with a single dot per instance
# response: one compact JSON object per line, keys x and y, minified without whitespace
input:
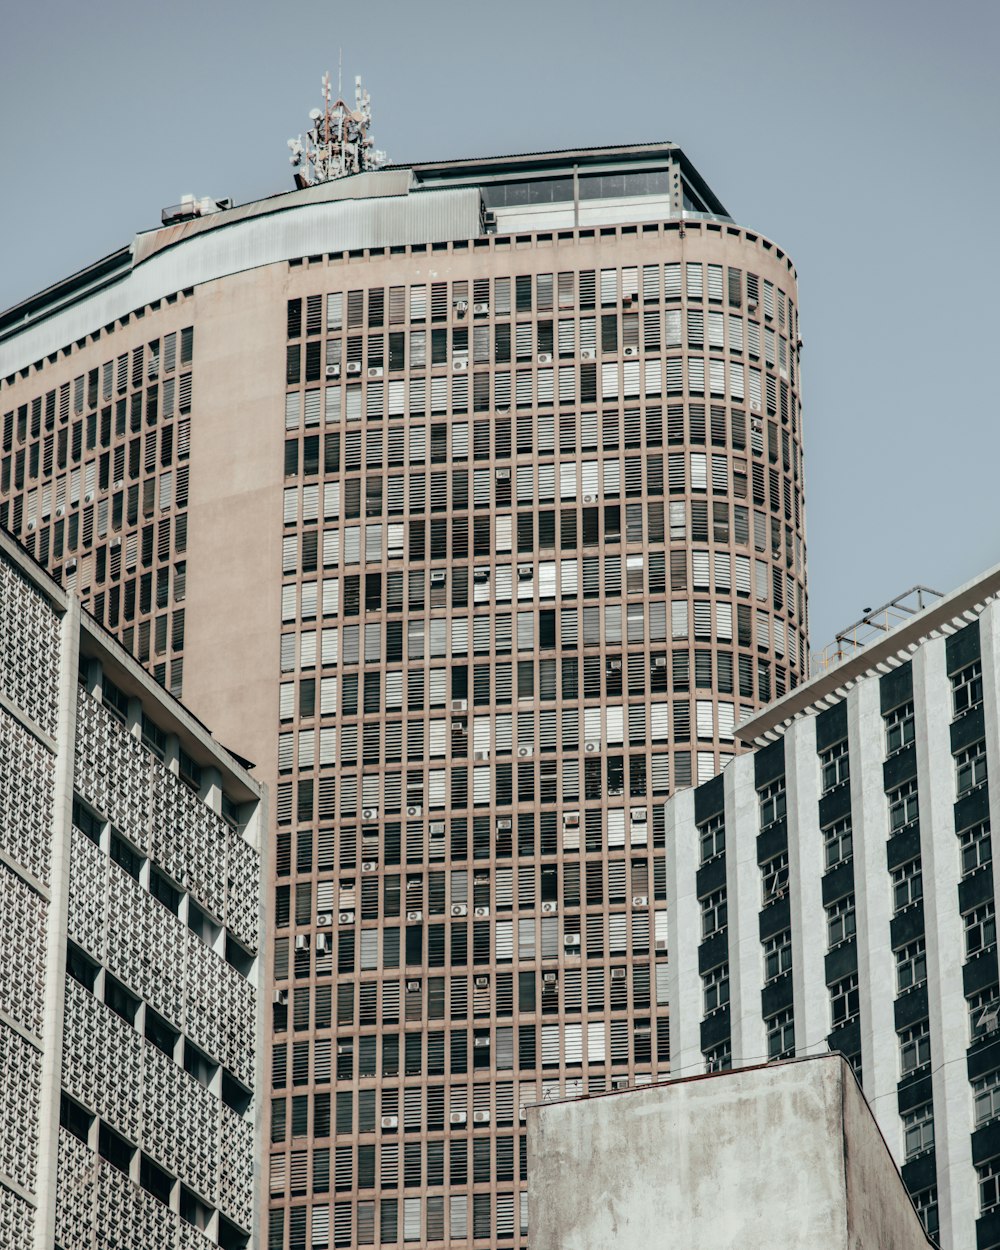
{"x":339,"y":140}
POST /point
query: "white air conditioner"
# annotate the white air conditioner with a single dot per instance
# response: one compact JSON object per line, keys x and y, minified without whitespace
{"x":345,"y":917}
{"x":751,"y":305}
{"x":591,"y":748}
{"x":504,"y":824}
{"x":545,"y":358}
{"x":459,"y":705}
{"x":480,"y":309}
{"x":661,"y":944}
{"x":550,"y":978}
{"x":481,"y":756}
{"x":480,"y":576}
{"x":460,"y":364}
{"x":525,"y":572}
{"x":640,"y":900}
{"x":638,"y":815}
{"x":523,"y":752}
{"x":375,"y":371}
{"x":457,"y":1117}
{"x":415,"y":810}
{"x":302,"y":942}
{"x":369,"y":813}
{"x":461,"y":307}
{"x":571,"y":939}
{"x":354,"y":366}
{"x":71,"y":566}
{"x":115,"y":542}
{"x":438,"y":577}
{"x":60,"y":512}
{"x":482,"y":983}
{"x":281,"y":997}
{"x":588,"y":353}
{"x":333,"y":371}
{"x":571,"y":820}
{"x":755,"y":405}
{"x":549,"y":909}
{"x":614,"y":666}
{"x":323,"y":944}
{"x":89,"y":497}
{"x":660,"y":661}
{"x":482,"y":912}
{"x":630,"y":352}
{"x":414,"y":916}
{"x":503,"y":475}
{"x":390,"y":1121}
{"x":480,"y":1043}
{"x":589,"y":498}
{"x":522,"y":1114}
{"x":459,"y":909}
{"x":618,"y":974}
{"x":481,"y":1117}
{"x":369,"y":865}
{"x":325,"y":919}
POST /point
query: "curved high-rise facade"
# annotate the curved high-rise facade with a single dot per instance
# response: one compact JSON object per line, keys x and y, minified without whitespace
{"x":466,"y":499}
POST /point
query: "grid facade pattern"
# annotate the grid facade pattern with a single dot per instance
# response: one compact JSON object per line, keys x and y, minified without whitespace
{"x":94,"y":483}
{"x":543,"y":546}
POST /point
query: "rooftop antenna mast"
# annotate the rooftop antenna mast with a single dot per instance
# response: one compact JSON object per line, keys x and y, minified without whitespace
{"x":339,"y":141}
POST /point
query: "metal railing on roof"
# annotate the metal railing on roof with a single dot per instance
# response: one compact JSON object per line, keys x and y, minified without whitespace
{"x":874,"y":624}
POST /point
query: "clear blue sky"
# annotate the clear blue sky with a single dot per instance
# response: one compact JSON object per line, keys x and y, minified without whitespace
{"x":860,"y":136}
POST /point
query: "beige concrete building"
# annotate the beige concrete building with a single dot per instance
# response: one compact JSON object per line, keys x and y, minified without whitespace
{"x":131,"y":1112}
{"x":467,"y":500}
{"x":783,"y":1156}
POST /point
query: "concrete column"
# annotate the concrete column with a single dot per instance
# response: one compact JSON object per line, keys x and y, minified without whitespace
{"x":57,"y":929}
{"x":805,"y":874}
{"x":684,"y":927}
{"x":746,"y":959}
{"x":876,"y":964}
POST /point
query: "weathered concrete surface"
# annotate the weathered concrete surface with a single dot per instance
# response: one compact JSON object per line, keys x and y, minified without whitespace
{"x":785,"y":1156}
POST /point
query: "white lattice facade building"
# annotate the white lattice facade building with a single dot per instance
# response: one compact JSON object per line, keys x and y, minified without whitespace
{"x":129,"y":891}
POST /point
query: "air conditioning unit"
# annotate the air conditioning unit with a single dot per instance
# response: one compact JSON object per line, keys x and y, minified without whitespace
{"x":460,"y":364}
{"x":439,"y":577}
{"x":333,"y":371}
{"x":60,"y":512}
{"x":115,"y":542}
{"x":615,"y":792}
{"x":354,"y":366}
{"x":522,"y":1114}
{"x":480,"y":309}
{"x":461,"y":307}
{"x":482,"y":913}
{"x":630,"y":352}
{"x":369,"y":813}
{"x":481,"y":1117}
{"x":571,"y":820}
{"x":549,"y":909}
{"x":614,"y":666}
{"x":345,"y":917}
{"x":751,"y":305}
{"x":755,"y":405}
{"x":659,"y":661}
{"x":480,"y":576}
{"x":490,"y":226}
{"x":459,"y":705}
{"x":325,"y":919}
{"x":504,"y":824}
{"x":89,"y":497}
{"x":375,"y":371}
{"x":414,"y":810}
{"x":31,"y":525}
{"x":482,"y":983}
{"x":618,"y":974}
{"x":545,"y":358}
{"x":390,"y":1121}
{"x":414,"y":916}
{"x":588,"y":353}
{"x":523,"y":752}
{"x":323,"y":944}
{"x":369,"y":865}
{"x":525,"y":572}
{"x":638,"y":815}
{"x":413,"y":987}
{"x":550,"y":978}
{"x":571,"y":939}
{"x":503,"y":475}
{"x":661,"y":944}
{"x":457,"y":1117}
{"x":70,"y":566}
{"x":281,"y":998}
{"x":302,"y":942}
{"x":591,"y":748}
{"x":480,"y":1043}
{"x":640,"y":900}
{"x":481,"y":756}
{"x":589,"y":498}
{"x":459,"y":909}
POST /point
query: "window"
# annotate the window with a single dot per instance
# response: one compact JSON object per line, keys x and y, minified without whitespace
{"x":914,"y":1048}
{"x":777,"y":955}
{"x":844,"y":1000}
{"x":984,"y":1014}
{"x":838,"y":842}
{"x":926,"y":1202}
{"x":774,"y":878}
{"x":970,"y":768}
{"x":986,"y":1098}
{"x":902,"y":806}
{"x":980,"y":929}
{"x":911,"y":966}
{"x":907,"y":885}
{"x":772,"y":802}
{"x":840,"y":920}
{"x":989,"y":1185}
{"x":716,"y":985}
{"x":836,"y":765}
{"x":976,"y":847}
{"x":918,"y":1130}
{"x":898,"y":728}
{"x":713,"y":837}
{"x":781,"y":1035}
{"x":719,"y":1058}
{"x":967,"y":687}
{"x":714,"y":913}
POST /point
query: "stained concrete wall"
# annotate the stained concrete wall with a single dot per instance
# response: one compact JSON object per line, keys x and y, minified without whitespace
{"x":783,"y":1156}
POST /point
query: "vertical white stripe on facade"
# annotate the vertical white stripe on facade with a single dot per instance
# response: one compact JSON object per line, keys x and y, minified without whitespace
{"x":805,"y":875}
{"x":746,"y":961}
{"x":684,"y":919}
{"x":876,"y":966}
{"x":947,"y":1010}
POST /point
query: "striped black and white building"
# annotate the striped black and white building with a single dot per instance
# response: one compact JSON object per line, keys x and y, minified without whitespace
{"x":834,"y":889}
